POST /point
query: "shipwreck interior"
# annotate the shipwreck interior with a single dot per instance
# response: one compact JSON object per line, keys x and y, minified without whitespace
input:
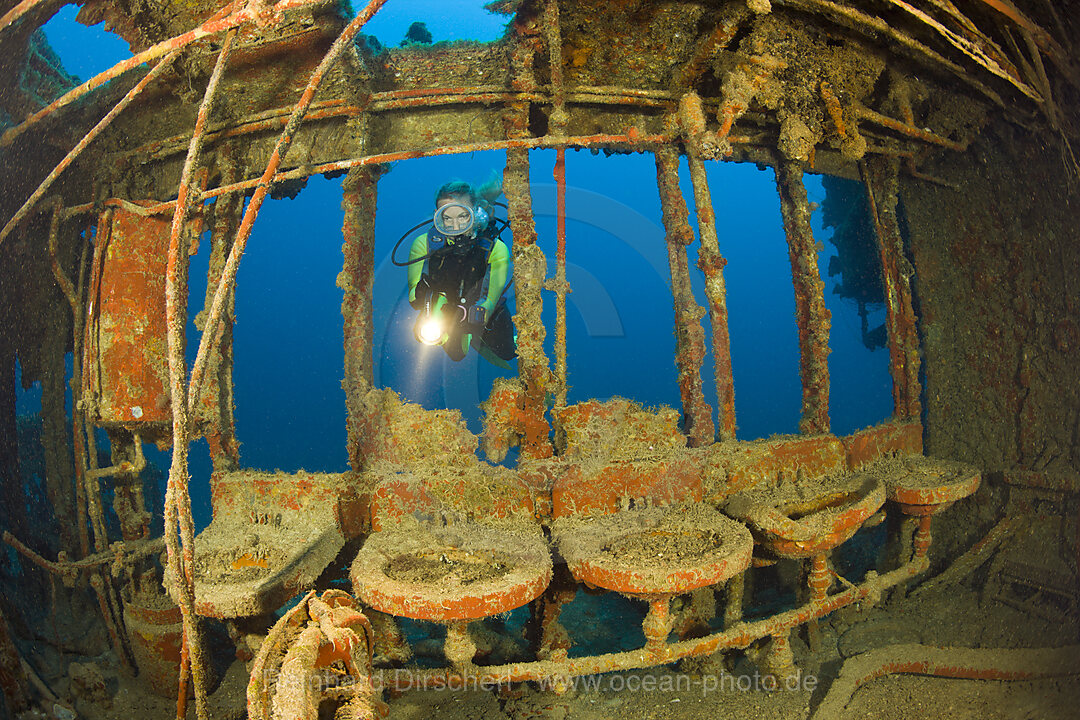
{"x":927,"y":564}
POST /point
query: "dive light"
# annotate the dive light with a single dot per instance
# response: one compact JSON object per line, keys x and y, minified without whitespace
{"x":429,"y":330}
{"x":432,"y":324}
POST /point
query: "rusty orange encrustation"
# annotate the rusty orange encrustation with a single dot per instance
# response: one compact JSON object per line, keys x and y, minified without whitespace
{"x":888,"y":438}
{"x":522,"y":557}
{"x":125,"y":363}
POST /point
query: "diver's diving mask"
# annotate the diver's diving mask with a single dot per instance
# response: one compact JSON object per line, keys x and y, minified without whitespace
{"x":453,"y":219}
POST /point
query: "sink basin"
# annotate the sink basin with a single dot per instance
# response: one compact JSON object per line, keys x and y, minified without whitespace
{"x":925,"y":486}
{"x":655,"y":551}
{"x":463,"y":571}
{"x":793,"y":521}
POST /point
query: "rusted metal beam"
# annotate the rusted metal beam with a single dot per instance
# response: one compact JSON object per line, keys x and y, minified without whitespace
{"x":711,"y":262}
{"x":689,"y":334}
{"x":530,"y":268}
{"x":386,"y":102}
{"x":880,"y":178}
{"x":973,"y":48}
{"x":78,"y":414}
{"x":16,"y":13}
{"x":553,"y":39}
{"x":181,"y":548}
{"x":357,"y":276}
{"x":1042,"y":38}
{"x":214,"y":414}
{"x":810,"y":312}
{"x":557,"y":120}
{"x":560,"y":285}
{"x":631,"y":140}
{"x":43,"y":187}
{"x":911,"y":131}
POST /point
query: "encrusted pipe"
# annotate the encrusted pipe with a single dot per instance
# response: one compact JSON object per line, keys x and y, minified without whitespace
{"x":965,"y":663}
{"x":921,"y":541}
{"x":553,"y":40}
{"x":13,"y":15}
{"x":631,"y":140}
{"x":459,"y":647}
{"x":689,"y":334}
{"x":880,"y":178}
{"x":181,"y":550}
{"x":357,"y":274}
{"x":59,"y":472}
{"x":810,"y":312}
{"x":692,"y":121}
{"x":734,"y":592}
{"x":216,"y":413}
{"x":819,"y":580}
{"x":530,"y":268}
{"x":740,"y":635}
{"x":657,"y":624}
{"x":99,"y":585}
{"x":910,"y":130}
{"x":561,"y":287}
{"x":78,"y":414}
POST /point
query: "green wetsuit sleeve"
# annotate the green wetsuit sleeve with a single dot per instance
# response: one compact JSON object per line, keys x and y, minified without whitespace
{"x":499,"y":260}
{"x":416,"y":269}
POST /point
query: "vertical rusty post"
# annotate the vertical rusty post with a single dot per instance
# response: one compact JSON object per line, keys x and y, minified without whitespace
{"x":560,"y":284}
{"x":553,"y":39}
{"x":215,"y":411}
{"x":357,"y":274}
{"x":530,"y":268}
{"x":819,"y":579}
{"x":692,"y":121}
{"x":734,"y":593}
{"x":921,"y":541}
{"x":689,"y":334}
{"x":880,"y":178}
{"x":181,"y":550}
{"x":810,"y":312}
{"x":530,"y":265}
{"x":78,"y":372}
{"x":557,"y":121}
{"x":59,"y":472}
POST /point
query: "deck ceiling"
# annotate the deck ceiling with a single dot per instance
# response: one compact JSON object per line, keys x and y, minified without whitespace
{"x":813,"y":80}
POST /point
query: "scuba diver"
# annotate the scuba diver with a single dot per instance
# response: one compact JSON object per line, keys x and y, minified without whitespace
{"x":447,"y":269}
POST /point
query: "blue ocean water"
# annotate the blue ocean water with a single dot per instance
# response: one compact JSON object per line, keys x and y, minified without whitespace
{"x":290,"y":405}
